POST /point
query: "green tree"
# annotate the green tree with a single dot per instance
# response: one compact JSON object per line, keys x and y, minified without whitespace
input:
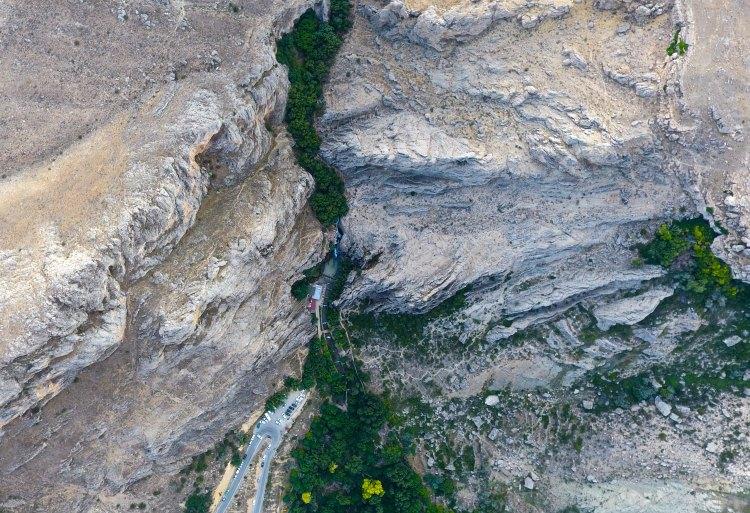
{"x":198,"y":502}
{"x":371,"y":488}
{"x":308,"y":52}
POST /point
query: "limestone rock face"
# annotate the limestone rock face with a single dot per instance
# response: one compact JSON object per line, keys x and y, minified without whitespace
{"x":520,"y":158}
{"x":153,"y":216}
{"x":629,"y":310}
{"x":152,"y":226}
{"x":709,"y":118}
{"x":524,"y":159}
{"x":520,"y":151}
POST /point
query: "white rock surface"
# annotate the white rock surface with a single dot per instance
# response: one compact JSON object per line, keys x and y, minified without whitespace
{"x":531,"y":181}
{"x":732,"y":341}
{"x":460,"y":160}
{"x":664,"y":408}
{"x":629,"y":310}
{"x":146,"y":259}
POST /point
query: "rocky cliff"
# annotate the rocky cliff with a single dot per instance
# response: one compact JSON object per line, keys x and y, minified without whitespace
{"x":522,"y":147}
{"x":153,"y":223}
{"x":517,"y":153}
{"x":154,"y":218}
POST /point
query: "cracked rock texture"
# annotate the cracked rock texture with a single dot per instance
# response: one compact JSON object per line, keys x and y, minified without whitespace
{"x":709,"y":120}
{"x":629,"y":310}
{"x":522,"y":147}
{"x":152,"y":226}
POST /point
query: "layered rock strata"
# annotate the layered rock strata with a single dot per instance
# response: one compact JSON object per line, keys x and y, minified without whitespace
{"x":146,"y":261}
{"x":518,"y":147}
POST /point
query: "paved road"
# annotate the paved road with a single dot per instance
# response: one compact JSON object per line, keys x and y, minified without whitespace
{"x":260,"y":490}
{"x":268,"y":429}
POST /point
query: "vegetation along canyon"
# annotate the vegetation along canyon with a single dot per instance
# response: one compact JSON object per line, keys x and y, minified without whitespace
{"x":374,"y":256}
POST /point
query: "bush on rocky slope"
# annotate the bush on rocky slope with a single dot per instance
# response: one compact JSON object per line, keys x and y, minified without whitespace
{"x":198,"y":503}
{"x":706,"y":362}
{"x":407,"y":330}
{"x":684,"y":247}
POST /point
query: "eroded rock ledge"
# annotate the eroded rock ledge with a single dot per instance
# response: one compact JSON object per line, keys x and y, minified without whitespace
{"x":146,"y":265}
{"x":521,"y":147}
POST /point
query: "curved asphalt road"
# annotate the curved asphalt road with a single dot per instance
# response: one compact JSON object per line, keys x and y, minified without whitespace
{"x":269,"y":429}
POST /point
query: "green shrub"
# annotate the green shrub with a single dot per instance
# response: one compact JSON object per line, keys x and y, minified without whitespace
{"x":200,"y":463}
{"x":668,"y":244}
{"x":300,"y":289}
{"x":276,"y":400}
{"x":725,"y":457}
{"x":493,"y":502}
{"x":198,"y":502}
{"x":236,"y":459}
{"x":442,"y":486}
{"x":690,"y":241}
{"x":711,"y":272}
{"x":677,"y":44}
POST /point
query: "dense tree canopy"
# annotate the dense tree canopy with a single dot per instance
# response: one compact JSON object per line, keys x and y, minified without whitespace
{"x":308,"y":52}
{"x":351,"y":460}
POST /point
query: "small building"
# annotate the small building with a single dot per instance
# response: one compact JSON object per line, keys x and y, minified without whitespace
{"x":317,"y":294}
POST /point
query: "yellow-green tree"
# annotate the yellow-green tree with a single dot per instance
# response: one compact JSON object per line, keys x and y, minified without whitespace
{"x":306,"y":497}
{"x":372,"y":487}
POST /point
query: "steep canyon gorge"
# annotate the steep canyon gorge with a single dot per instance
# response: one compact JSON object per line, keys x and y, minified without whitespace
{"x":514,"y":154}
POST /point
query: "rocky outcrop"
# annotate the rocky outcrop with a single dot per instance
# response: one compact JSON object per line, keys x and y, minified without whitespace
{"x":84,"y":226}
{"x":629,"y":310}
{"x":521,"y":157}
{"x":146,"y":266}
{"x":510,"y":160}
{"x":154,"y":218}
{"x":707,"y":118}
{"x":524,"y":160}
{"x":207,"y":334}
{"x":438,"y":29}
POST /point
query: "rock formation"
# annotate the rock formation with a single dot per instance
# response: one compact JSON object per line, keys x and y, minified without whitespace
{"x":519,"y":147}
{"x":152,"y":227}
{"x":523,"y":150}
{"x":154,"y":218}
